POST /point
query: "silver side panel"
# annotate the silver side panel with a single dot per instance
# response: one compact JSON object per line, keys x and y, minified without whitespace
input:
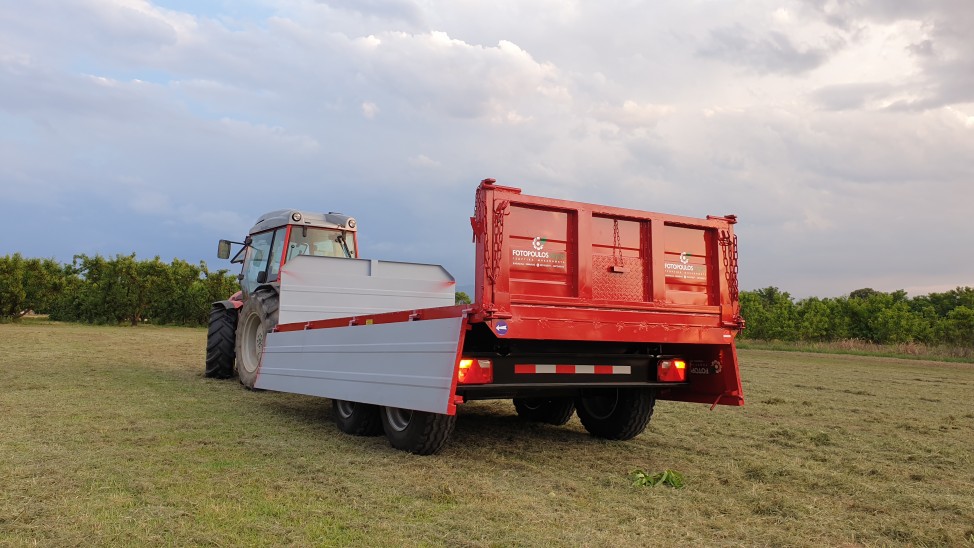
{"x":318,"y":288}
{"x":405,"y":364}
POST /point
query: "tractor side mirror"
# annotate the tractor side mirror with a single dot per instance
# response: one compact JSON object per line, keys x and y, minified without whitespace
{"x":223,"y":249}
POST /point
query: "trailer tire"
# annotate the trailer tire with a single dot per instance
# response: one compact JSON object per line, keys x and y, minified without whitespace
{"x":258,"y":317}
{"x":616,"y":413}
{"x":418,"y":432}
{"x":556,"y":411}
{"x":221,"y":342}
{"x":357,"y":419}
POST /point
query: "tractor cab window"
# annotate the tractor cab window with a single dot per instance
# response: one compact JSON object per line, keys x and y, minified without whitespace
{"x":320,"y":242}
{"x":263,"y":255}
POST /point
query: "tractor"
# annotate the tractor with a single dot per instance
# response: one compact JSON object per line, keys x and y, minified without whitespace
{"x":238,"y":326}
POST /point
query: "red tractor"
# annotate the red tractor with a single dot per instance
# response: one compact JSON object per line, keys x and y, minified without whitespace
{"x":238,"y":325}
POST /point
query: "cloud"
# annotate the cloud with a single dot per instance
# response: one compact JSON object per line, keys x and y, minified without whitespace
{"x":772,"y":52}
{"x":370,"y":110}
{"x":839,"y":132}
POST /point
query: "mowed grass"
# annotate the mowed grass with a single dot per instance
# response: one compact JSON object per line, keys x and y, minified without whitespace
{"x":111,"y":436}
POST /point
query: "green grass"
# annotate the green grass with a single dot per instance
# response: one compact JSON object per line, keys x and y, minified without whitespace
{"x":111,"y":436}
{"x":855,"y":347}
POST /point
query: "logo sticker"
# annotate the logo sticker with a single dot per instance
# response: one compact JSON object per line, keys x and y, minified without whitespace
{"x":538,"y":243}
{"x":685,"y":257}
{"x":501,"y":328}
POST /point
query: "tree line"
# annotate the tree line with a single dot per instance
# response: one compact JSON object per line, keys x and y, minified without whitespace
{"x":865,"y":314}
{"x":121,"y":289}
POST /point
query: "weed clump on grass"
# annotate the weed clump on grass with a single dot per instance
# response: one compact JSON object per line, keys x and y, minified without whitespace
{"x":669,"y":478}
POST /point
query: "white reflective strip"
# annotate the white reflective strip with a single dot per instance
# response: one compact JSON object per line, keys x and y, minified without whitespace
{"x":585,"y":369}
{"x":545,"y":368}
{"x":621,"y":369}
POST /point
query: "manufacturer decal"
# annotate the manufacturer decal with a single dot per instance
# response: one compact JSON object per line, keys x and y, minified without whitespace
{"x":537,"y":257}
{"x":686,"y":271}
{"x":501,"y":328}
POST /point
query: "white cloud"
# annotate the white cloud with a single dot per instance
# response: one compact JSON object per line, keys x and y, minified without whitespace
{"x":839,"y":132}
{"x":370,"y":110}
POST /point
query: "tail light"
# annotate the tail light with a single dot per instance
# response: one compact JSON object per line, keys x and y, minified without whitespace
{"x":478,"y":371}
{"x":671,"y":370}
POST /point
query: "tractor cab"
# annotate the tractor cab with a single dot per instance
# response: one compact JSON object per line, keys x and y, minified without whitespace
{"x":280,"y":235}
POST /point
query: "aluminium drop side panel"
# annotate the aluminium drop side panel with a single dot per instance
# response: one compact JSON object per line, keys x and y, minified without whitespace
{"x":318,"y":288}
{"x":407,"y":364}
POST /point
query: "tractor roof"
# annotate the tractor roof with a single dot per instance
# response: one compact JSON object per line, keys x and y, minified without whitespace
{"x":298,"y":217}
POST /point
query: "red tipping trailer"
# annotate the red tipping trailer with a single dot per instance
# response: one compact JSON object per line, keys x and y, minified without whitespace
{"x":578,"y":308}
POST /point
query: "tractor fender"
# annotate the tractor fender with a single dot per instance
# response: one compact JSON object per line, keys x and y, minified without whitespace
{"x":233,"y":303}
{"x":228,"y":304}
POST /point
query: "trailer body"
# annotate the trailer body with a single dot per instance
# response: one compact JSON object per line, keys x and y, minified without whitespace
{"x":572,"y":300}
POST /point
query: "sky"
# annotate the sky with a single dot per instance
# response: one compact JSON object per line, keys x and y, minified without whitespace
{"x":840,"y":132}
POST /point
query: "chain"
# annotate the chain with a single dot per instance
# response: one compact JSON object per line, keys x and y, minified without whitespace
{"x":500,"y":211}
{"x":616,"y":244}
{"x":729,"y":246}
{"x":479,"y":222}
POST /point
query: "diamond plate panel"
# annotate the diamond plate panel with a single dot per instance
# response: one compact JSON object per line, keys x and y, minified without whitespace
{"x":617,"y":286}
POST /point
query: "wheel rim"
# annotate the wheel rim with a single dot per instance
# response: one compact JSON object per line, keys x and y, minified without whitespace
{"x":253,"y":343}
{"x":533,"y":405}
{"x":344,"y":408}
{"x":397,"y":418}
{"x":601,"y":406}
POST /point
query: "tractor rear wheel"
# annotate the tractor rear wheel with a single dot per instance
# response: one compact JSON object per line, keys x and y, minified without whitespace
{"x":555,"y":411}
{"x":357,"y":419}
{"x":258,"y":317}
{"x":616,"y":413}
{"x":220,"y":342}
{"x":418,"y":432}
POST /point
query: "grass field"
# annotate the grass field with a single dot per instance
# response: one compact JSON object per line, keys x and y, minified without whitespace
{"x":111,"y":436}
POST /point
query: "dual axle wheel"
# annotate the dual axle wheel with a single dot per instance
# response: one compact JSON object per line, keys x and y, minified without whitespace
{"x":417,"y":432}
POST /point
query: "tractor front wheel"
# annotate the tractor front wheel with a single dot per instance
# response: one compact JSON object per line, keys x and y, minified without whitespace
{"x":220,"y":342}
{"x":258,"y":317}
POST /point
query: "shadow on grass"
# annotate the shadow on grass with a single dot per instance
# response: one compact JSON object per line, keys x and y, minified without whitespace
{"x":477,"y":424}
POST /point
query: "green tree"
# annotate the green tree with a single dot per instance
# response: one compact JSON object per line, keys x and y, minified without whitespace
{"x":770,"y":314}
{"x":462,"y":298}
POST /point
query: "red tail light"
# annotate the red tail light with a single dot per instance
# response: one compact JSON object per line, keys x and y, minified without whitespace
{"x":671,"y":370}
{"x":478,"y":371}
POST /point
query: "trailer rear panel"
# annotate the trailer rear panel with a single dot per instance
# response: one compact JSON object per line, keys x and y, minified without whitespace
{"x":620,"y":280}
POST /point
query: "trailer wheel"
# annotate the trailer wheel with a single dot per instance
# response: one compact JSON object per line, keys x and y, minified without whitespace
{"x":357,"y":419}
{"x":417,"y":432}
{"x":258,"y":317}
{"x":616,"y":413}
{"x":555,"y":411}
{"x":220,"y":343}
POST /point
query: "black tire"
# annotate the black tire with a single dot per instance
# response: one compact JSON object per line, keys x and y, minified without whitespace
{"x":555,"y":411}
{"x":357,"y":419}
{"x":417,"y":432}
{"x":221,"y":342}
{"x":258,"y":317}
{"x":616,"y":413}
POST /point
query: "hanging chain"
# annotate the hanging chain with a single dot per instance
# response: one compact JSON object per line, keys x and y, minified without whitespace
{"x":729,"y":246}
{"x":500,"y":211}
{"x":616,"y":244}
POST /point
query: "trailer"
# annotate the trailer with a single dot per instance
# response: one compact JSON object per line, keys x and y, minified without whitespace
{"x":578,"y":308}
